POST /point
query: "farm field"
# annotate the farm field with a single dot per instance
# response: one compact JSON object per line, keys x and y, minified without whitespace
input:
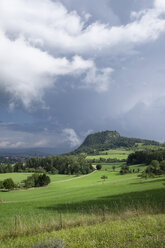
{"x":121,"y":154}
{"x":112,"y":154}
{"x":71,"y":201}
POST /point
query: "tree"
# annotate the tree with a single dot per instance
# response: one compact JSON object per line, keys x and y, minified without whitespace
{"x":153,"y":168}
{"x":37,"y":180}
{"x":8,"y":183}
{"x":98,"y":166}
{"x":29,"y":182}
{"x":124,"y":169}
{"x":43,"y":180}
{"x":18,"y":167}
{"x":104,"y":177}
{"x":1,"y":185}
{"x":113,"y":167}
{"x":162,"y":166}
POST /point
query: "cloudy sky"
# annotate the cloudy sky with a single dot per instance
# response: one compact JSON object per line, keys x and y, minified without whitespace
{"x":72,"y":67}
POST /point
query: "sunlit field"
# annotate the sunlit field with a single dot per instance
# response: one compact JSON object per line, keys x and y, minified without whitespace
{"x":71,"y":201}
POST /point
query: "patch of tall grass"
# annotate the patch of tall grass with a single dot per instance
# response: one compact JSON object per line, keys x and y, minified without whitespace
{"x":21,"y":226}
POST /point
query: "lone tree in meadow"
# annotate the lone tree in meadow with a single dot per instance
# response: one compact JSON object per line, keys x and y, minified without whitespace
{"x":104,"y":177}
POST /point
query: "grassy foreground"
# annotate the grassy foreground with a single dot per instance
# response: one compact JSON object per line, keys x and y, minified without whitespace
{"x":138,"y":232}
{"x":118,"y":212}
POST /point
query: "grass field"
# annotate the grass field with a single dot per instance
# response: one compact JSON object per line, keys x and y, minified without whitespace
{"x":70,"y":201}
{"x":135,"y":232}
{"x":112,"y":154}
{"x":18,"y":177}
{"x":121,"y":154}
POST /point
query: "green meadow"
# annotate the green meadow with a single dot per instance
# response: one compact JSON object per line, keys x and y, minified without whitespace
{"x":112,"y":154}
{"x":121,"y":154}
{"x":85,"y":204}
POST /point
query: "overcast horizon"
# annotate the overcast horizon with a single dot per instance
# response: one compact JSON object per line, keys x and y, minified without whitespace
{"x":69,"y":68}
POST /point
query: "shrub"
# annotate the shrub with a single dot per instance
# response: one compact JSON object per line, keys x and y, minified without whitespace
{"x":153,"y":168}
{"x":162,"y":166}
{"x":124,"y":170}
{"x":37,"y":180}
{"x":8,"y":183}
{"x":98,"y":166}
{"x":1,"y":185}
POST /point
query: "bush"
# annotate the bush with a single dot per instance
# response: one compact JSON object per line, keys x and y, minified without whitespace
{"x":8,"y":183}
{"x":162,"y":166}
{"x":124,"y":170}
{"x":37,"y":180}
{"x":153,"y":168}
{"x":98,"y":166}
{"x":1,"y":185}
{"x":57,"y":243}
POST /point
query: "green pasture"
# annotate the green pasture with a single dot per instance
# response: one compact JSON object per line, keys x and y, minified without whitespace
{"x":112,"y":154}
{"x":80,"y":195}
{"x":141,"y":146}
{"x":76,"y":201}
{"x":19,"y":177}
{"x":121,"y":154}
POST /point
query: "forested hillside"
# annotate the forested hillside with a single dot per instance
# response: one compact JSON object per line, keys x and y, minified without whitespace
{"x":110,"y":140}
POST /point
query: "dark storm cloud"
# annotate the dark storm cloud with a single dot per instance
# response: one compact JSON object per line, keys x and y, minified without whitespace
{"x":82,"y":66}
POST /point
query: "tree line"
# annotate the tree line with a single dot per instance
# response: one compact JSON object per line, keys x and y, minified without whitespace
{"x":154,"y":159}
{"x":61,"y":164}
{"x":106,"y":160}
{"x":145,"y":157}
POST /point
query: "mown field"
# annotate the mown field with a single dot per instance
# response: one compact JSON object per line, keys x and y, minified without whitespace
{"x":95,"y":209}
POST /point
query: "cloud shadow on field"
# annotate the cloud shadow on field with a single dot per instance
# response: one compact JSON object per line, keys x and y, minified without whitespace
{"x":151,"y":201}
{"x":146,"y":182}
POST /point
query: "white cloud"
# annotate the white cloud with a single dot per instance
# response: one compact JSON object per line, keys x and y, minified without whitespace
{"x":100,"y":78}
{"x":49,"y":25}
{"x":71,"y":136}
{"x":37,"y":37}
{"x":26,"y":71}
{"x":160,"y":5}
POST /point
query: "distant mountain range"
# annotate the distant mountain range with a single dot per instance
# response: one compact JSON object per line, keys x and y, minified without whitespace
{"x":110,"y":140}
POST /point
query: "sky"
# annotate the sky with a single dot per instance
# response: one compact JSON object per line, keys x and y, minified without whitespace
{"x":69,"y":68}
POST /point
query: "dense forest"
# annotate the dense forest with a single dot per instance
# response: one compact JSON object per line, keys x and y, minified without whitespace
{"x":109,"y":140}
